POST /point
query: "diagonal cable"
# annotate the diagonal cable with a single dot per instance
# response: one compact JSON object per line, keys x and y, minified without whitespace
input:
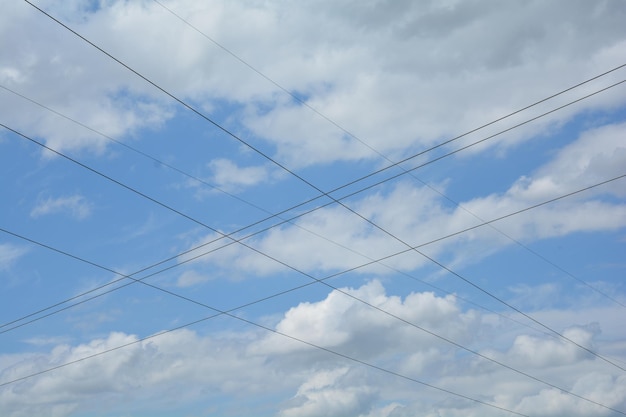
{"x":261,"y":153}
{"x":323,"y":281}
{"x":195,"y":257}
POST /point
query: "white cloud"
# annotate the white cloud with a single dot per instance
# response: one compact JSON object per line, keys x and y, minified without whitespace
{"x":536,"y":352}
{"x":316,"y":323}
{"x":598,"y":154}
{"x":183,"y":368}
{"x":10,"y":253}
{"x":75,"y":205}
{"x":417,"y":215}
{"x":601,"y":388}
{"x":400,"y":75}
{"x":354,"y":66}
{"x":191,"y":278}
{"x":228,"y":176}
{"x":324,"y":395}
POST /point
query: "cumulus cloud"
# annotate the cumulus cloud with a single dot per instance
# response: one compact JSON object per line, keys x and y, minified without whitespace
{"x":400,"y":76}
{"x":76,"y":206}
{"x":182,"y":368}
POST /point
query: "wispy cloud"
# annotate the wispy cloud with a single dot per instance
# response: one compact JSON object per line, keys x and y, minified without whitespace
{"x":227,"y":175}
{"x":9,"y":254}
{"x":76,"y":206}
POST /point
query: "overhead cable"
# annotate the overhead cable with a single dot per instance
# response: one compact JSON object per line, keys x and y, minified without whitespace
{"x":383,"y":156}
{"x":302,"y":179}
{"x":347,"y":293}
{"x":197,"y":256}
{"x":348,"y":208}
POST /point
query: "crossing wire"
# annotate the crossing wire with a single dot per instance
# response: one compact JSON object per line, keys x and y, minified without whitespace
{"x":195,"y":257}
{"x":383,"y":156}
{"x":347,"y":293}
{"x":261,"y":153}
{"x":195,"y":178}
{"x":275,"y":215}
{"x":309,"y":184}
{"x":404,"y":172}
{"x":316,"y":280}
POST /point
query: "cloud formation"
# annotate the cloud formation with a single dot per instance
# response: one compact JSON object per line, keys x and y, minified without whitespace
{"x":368,"y":83}
{"x":334,"y":239}
{"x":189,"y":366}
{"x":75,"y":205}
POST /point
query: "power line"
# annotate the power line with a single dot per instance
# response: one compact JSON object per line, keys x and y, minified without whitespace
{"x":346,"y":293}
{"x":371,"y":261}
{"x":230,"y":234}
{"x":261,"y":153}
{"x":383,"y":156}
{"x":273,"y":161}
{"x":333,"y":352}
{"x":140,"y":152}
{"x":258,"y":151}
{"x":351,"y":210}
{"x":322,"y":281}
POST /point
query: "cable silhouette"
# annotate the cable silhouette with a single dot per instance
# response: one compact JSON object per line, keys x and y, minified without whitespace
{"x":365,"y":219}
{"x":383,"y":156}
{"x":317,"y":280}
{"x":346,"y":293}
{"x":371,"y":262}
{"x":195,"y":257}
{"x":338,"y":188}
{"x":195,"y":178}
{"x":233,"y":135}
{"x":240,"y":199}
{"x":228,"y":132}
{"x":313,"y":186}
{"x":333,"y":352}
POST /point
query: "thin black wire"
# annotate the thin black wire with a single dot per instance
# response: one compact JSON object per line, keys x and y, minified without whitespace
{"x":351,"y":295}
{"x":350,"y":134}
{"x":348,"y":294}
{"x":136,"y":150}
{"x":261,"y":153}
{"x":182,"y":102}
{"x":371,"y":261}
{"x":365,"y":219}
{"x":338,"y":188}
{"x":276,"y":215}
{"x":309,"y":231}
{"x":291,"y":172}
{"x":258,"y":151}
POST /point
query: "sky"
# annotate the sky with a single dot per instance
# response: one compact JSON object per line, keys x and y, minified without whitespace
{"x":357,"y":208}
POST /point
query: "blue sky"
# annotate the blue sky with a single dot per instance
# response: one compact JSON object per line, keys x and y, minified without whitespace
{"x":524,"y":315}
